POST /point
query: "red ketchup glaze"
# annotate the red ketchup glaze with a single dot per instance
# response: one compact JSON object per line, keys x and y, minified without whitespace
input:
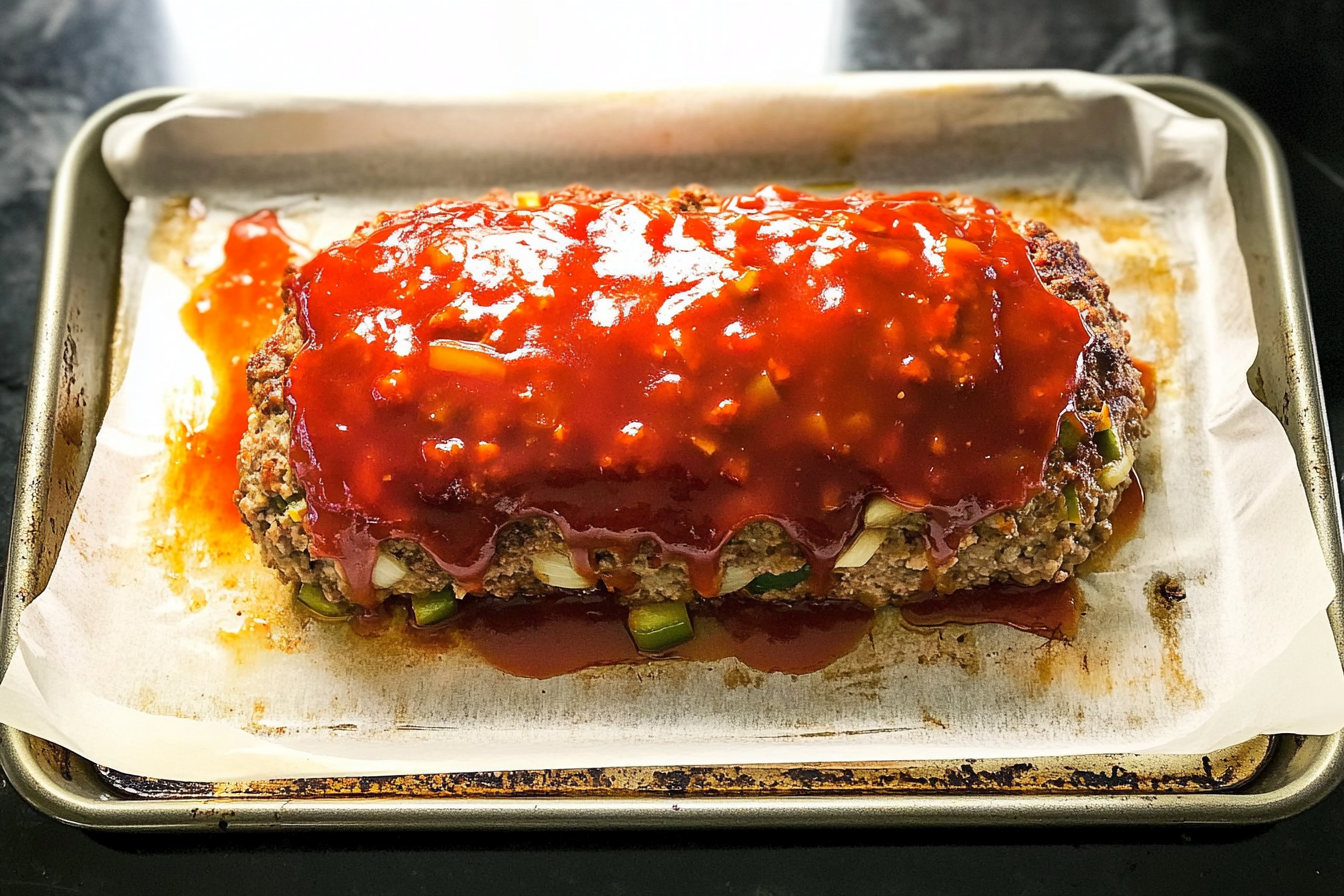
{"x":638,"y":374}
{"x":232,"y":309}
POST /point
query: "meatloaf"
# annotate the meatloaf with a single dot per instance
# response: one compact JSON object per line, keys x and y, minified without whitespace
{"x":892,"y":549}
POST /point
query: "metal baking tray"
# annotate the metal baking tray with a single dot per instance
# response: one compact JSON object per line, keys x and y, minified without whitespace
{"x":1263,"y":779}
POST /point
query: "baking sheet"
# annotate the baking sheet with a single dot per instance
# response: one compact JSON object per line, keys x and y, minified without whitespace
{"x":210,"y":694}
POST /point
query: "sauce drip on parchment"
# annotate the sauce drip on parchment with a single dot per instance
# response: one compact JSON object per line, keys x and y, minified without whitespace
{"x":540,"y":637}
{"x":230,"y":312}
{"x":1049,"y":610}
{"x":643,"y":375}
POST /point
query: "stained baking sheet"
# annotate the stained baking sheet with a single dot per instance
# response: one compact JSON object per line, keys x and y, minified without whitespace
{"x":1137,"y":182}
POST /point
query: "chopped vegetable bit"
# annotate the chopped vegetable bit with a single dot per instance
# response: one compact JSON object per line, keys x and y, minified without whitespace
{"x":768,"y":581}
{"x":466,"y":359}
{"x":1070,"y":434}
{"x":760,"y":393}
{"x":661,"y":626}
{"x":862,"y":549}
{"x":882,"y":512}
{"x":735,"y":578}
{"x":296,"y":509}
{"x":1071,"y":510}
{"x":312,"y":597}
{"x":1105,"y":422}
{"x":1108,"y":445}
{"x":557,"y":570}
{"x":1116,"y":472}
{"x":433,"y":607}
{"x":388,"y":571}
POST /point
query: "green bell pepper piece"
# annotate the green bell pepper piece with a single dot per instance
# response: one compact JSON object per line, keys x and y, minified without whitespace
{"x":433,"y":607}
{"x":1109,"y":445}
{"x":312,"y":597}
{"x":661,"y":626}
{"x":768,"y":581}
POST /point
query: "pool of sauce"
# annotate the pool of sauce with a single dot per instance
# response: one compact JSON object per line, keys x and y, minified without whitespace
{"x":1050,"y":610}
{"x":642,"y":375}
{"x":229,"y":313}
{"x":540,"y":637}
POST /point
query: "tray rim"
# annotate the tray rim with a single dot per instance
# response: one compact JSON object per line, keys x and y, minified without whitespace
{"x":1299,"y":789}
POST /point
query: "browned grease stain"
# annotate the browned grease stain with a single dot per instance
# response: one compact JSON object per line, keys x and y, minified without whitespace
{"x":931,"y":720}
{"x":740,"y":676}
{"x":170,"y":243}
{"x":1069,"y":667}
{"x":1151,"y":275}
{"x":948,"y":648}
{"x":256,"y":725}
{"x":1166,"y":607}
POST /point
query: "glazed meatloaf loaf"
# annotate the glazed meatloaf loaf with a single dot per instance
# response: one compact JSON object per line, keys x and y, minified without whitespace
{"x":865,"y":398}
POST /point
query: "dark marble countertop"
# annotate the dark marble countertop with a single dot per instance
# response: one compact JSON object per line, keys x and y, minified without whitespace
{"x":60,"y":61}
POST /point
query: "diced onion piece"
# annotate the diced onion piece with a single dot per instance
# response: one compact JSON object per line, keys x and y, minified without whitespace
{"x":883,"y":512}
{"x":760,"y":393}
{"x":1116,"y":472}
{"x":862,"y":549}
{"x":735,"y":579}
{"x":557,"y":570}
{"x":388,"y":571}
{"x":466,"y":358}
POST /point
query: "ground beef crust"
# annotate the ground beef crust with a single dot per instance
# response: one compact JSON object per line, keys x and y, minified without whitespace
{"x":1027,"y":546}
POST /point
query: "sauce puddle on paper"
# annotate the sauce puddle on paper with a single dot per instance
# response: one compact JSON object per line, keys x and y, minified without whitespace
{"x":1050,"y":610}
{"x":539,"y":637}
{"x":233,"y":308}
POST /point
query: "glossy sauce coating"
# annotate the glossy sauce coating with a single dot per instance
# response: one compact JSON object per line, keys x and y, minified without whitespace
{"x":636,"y":373}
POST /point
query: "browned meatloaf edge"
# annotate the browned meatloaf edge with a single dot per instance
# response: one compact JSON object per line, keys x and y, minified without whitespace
{"x":1028,"y":546}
